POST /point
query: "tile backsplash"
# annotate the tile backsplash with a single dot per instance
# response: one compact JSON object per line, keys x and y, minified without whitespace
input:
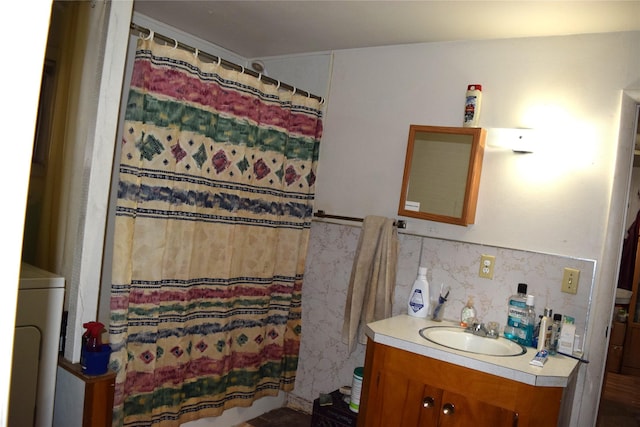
{"x":325,"y":363}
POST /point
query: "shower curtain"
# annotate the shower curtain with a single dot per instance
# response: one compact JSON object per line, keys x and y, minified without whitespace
{"x":215,"y":199}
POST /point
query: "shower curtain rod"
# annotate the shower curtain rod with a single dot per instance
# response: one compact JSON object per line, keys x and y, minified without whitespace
{"x":228,"y":64}
{"x":320,"y":214}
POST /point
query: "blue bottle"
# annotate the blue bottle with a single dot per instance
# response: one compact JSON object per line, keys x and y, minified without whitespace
{"x":516,"y":312}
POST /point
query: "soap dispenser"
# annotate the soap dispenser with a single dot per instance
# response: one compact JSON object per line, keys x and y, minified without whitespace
{"x":468,"y":314}
{"x":418,"y":305}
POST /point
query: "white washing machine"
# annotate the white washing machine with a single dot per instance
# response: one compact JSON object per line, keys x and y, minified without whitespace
{"x":35,"y":348}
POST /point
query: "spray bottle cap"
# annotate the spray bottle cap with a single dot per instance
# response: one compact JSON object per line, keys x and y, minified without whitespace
{"x":91,"y":337}
{"x":93,"y":329}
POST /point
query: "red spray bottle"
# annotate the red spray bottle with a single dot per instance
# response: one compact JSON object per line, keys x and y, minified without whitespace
{"x":94,"y":356}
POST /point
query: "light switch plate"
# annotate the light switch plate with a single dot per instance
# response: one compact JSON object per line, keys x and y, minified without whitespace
{"x":570,"y":280}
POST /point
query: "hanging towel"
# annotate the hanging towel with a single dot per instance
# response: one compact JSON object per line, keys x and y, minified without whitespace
{"x":373,"y":278}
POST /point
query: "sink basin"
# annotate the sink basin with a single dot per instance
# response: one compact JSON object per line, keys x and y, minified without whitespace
{"x":457,"y":339}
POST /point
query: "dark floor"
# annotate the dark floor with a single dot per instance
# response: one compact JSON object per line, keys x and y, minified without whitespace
{"x":620,"y":403}
{"x":282,"y":417}
{"x":616,"y":414}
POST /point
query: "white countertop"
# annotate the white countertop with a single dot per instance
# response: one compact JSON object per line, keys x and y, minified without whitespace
{"x":402,"y":332}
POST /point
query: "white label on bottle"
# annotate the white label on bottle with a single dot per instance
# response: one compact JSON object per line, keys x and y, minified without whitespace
{"x":416,"y":301}
{"x":470,"y":108}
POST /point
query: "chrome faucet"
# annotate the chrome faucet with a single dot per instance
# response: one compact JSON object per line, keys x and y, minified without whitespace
{"x":478,"y":328}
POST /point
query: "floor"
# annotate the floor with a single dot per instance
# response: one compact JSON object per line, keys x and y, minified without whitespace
{"x":620,"y":403}
{"x":281,"y":417}
{"x":619,"y":407}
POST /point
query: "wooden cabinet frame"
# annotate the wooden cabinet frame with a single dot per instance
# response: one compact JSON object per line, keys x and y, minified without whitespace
{"x":98,"y":395}
{"x":532,"y":406}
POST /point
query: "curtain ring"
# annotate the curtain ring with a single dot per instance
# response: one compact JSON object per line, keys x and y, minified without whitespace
{"x":294,"y":90}
{"x":175,"y":41}
{"x":195,"y":53}
{"x":242,"y":69}
{"x":219,"y":60}
{"x":259,"y":76}
{"x":149,"y":36}
{"x":321,"y":100}
{"x":278,"y":87}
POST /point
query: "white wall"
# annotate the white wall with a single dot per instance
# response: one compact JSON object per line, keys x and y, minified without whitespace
{"x":567,"y":88}
{"x":557,"y":200}
{"x":22,"y":87}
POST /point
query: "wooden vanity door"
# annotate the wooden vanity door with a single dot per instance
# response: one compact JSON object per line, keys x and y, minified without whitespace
{"x":406,"y":402}
{"x":458,"y":411}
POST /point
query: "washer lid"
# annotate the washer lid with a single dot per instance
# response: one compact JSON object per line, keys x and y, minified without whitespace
{"x":32,"y":277}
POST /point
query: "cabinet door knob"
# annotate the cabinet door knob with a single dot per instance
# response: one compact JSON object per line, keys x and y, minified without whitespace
{"x":428,"y":402}
{"x":448,"y":409}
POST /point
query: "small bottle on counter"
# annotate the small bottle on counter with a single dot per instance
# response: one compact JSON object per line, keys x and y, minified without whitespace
{"x":544,"y":338}
{"x":555,"y":333}
{"x":418,"y":305}
{"x":468,"y":315}
{"x":529,"y":323}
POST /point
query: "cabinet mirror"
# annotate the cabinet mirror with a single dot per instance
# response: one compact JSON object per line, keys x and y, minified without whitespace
{"x":442,"y":173}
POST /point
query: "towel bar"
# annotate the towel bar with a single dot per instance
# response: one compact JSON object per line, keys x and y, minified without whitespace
{"x":321,"y":214}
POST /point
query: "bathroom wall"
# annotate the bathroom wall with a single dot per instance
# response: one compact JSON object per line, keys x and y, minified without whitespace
{"x":566,"y":198}
{"x":325,"y":363}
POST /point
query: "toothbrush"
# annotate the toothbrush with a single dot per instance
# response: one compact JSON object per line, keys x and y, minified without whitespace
{"x":441,"y":301}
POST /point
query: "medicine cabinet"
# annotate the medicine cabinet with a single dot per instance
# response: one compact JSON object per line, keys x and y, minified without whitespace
{"x":442,"y":173}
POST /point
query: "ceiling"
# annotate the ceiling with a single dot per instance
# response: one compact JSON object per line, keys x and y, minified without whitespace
{"x":254,"y":29}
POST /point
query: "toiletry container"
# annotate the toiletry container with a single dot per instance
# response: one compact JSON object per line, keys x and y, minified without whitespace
{"x":567,"y":336}
{"x":472,"y":106}
{"x":468,"y":315}
{"x":546,"y":324}
{"x":555,"y":333}
{"x":418,"y":305}
{"x":356,"y":389}
{"x":529,"y":323}
{"x":516,"y":311}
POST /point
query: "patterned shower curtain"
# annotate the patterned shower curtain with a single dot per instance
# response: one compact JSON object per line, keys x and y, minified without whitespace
{"x":215,"y":199}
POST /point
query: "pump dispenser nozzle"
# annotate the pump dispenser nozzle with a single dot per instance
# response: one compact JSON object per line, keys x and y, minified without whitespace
{"x":92,"y":337}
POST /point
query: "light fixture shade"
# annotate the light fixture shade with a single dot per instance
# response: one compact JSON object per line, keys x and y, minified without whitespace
{"x":518,"y":140}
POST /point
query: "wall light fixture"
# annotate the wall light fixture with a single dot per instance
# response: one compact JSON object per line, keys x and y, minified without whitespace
{"x":517,"y":140}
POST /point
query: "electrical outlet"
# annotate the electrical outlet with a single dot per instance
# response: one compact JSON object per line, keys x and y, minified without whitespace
{"x":570,"y":280}
{"x":486,"y":266}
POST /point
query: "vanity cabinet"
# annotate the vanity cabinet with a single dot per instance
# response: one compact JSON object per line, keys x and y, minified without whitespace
{"x":401,"y":388}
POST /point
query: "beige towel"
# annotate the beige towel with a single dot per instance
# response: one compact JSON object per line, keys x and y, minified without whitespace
{"x":373,"y":278}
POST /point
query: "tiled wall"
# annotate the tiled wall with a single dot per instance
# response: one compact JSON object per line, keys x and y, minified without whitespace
{"x":325,"y":363}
